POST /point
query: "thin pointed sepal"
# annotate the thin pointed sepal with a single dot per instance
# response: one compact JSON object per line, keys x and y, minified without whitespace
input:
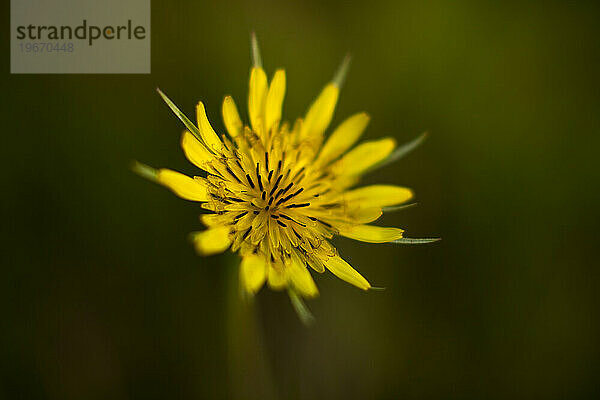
{"x":300,"y":307}
{"x":256,"y":59}
{"x":144,"y":171}
{"x":415,"y":240}
{"x":340,"y":75}
{"x":398,"y":208}
{"x":404,"y":149}
{"x":182,"y":117}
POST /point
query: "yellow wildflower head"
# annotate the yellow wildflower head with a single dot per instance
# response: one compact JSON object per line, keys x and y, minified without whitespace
{"x":276,"y":193}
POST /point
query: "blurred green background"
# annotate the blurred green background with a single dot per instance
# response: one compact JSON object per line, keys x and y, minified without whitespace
{"x":103,"y":297}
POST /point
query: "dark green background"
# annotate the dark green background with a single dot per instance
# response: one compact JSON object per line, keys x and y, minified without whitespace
{"x":102,"y":297}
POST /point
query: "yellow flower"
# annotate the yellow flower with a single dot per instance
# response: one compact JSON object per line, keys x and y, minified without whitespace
{"x":278,"y":192}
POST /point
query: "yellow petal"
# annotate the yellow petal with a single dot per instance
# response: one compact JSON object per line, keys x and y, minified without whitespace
{"x":302,"y":280}
{"x":231,"y":117}
{"x":256,"y":97}
{"x":207,"y":132}
{"x":182,"y":185}
{"x":195,"y":151}
{"x":365,"y":156}
{"x":365,"y":214}
{"x":212,"y":241}
{"x":253,"y":272}
{"x":345,"y":135}
{"x":371,"y":234}
{"x":211,"y":219}
{"x":344,"y":271}
{"x":275,"y":100}
{"x":320,"y":112}
{"x":378,"y":195}
{"x":277,"y":278}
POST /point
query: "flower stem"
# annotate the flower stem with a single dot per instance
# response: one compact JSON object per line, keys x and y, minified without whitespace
{"x":249,"y":370}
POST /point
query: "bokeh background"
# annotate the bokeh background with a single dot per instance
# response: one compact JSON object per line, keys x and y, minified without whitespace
{"x":101,"y":295}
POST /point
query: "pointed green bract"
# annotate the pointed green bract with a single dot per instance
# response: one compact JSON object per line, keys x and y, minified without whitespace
{"x":402,"y":151}
{"x":416,"y":241}
{"x":342,"y":71}
{"x":144,"y":171}
{"x":303,"y":313}
{"x":188,"y":124}
{"x":397,"y":208}
{"x":256,"y":60}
